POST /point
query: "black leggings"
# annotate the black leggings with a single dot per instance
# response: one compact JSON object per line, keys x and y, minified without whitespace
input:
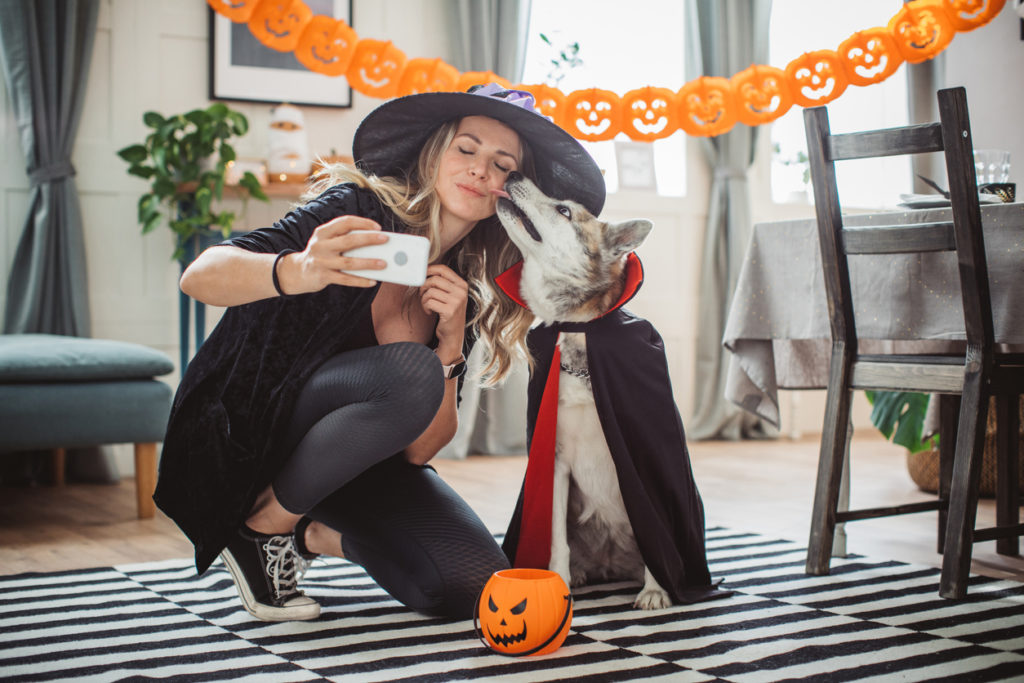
{"x":411,"y":532}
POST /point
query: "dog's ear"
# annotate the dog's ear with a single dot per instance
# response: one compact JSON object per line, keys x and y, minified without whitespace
{"x":622,"y":238}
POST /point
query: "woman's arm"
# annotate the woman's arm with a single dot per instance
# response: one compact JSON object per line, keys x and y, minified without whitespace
{"x":230,"y":276}
{"x":446,"y":295}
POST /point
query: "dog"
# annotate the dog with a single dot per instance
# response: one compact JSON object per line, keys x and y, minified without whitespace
{"x":574,"y":271}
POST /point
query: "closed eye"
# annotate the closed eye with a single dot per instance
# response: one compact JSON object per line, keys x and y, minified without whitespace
{"x":564,"y":210}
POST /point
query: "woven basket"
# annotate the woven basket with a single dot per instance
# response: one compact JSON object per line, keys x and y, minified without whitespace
{"x":924,"y":465}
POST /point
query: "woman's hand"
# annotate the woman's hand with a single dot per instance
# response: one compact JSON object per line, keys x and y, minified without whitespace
{"x":445,"y":294}
{"x":322,"y":262}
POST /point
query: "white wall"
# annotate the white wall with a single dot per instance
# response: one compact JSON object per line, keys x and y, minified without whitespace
{"x":152,"y":55}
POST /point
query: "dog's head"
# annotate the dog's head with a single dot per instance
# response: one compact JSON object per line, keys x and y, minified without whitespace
{"x":573,"y":262}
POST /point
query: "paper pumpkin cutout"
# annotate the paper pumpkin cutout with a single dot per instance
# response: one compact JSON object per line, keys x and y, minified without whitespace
{"x":549,"y":101}
{"x":922,"y":29}
{"x":762,"y":94}
{"x":427,"y":75}
{"x":816,"y":78}
{"x":870,"y":56}
{"x":967,"y":15}
{"x":649,"y":113}
{"x":236,"y":10}
{"x":471,"y":78}
{"x":592,"y":114}
{"x":376,"y":68}
{"x":278,"y":24}
{"x":523,"y":612}
{"x":706,"y":106}
{"x":327,"y":45}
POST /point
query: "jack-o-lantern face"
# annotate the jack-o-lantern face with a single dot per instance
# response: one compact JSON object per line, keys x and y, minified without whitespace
{"x":921,"y":30}
{"x":235,"y":10}
{"x":649,"y":113}
{"x":549,"y":101}
{"x":816,"y":78}
{"x":471,"y":78}
{"x":967,"y":15}
{"x":327,"y":46}
{"x":870,"y":56}
{"x":524,"y":612}
{"x":376,"y":68}
{"x":427,"y":75}
{"x":706,"y":106}
{"x":762,"y":94}
{"x":278,"y":24}
{"x":592,"y":114}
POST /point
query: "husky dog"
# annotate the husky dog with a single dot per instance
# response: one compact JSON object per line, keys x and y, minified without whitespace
{"x":574,"y":271}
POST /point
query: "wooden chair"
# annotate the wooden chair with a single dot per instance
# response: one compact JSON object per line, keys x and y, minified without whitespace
{"x":974,"y":376}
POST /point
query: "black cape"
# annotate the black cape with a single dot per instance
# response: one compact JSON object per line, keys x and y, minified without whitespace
{"x":633,"y":394}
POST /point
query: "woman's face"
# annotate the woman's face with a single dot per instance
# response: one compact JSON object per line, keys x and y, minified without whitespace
{"x":480,"y":157}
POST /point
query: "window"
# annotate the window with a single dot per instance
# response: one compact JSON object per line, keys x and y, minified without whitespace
{"x":622,"y":46}
{"x":797,"y":27}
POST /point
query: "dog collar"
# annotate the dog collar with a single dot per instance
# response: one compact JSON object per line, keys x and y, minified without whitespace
{"x":510,"y":279}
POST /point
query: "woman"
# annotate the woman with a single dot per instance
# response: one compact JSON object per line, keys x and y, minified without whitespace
{"x":305,"y":422}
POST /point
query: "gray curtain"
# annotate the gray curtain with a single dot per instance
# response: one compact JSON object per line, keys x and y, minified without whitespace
{"x":45,"y":46}
{"x":490,"y":35}
{"x":723,"y":38}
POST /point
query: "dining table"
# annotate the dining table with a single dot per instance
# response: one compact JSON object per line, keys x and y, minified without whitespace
{"x":778,"y":334}
{"x":777,"y":331}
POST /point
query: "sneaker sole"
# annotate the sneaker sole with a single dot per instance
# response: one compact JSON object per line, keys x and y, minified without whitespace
{"x":258,"y":609}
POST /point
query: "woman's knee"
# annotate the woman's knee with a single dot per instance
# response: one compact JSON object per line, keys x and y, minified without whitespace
{"x":411,"y":374}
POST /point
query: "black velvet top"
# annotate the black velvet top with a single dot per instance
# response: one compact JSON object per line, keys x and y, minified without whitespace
{"x":223,"y":443}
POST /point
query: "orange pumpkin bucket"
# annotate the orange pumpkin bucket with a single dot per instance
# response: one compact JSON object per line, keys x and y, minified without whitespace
{"x":523,"y":612}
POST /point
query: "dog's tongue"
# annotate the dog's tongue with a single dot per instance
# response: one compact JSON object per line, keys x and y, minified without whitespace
{"x":501,"y":193}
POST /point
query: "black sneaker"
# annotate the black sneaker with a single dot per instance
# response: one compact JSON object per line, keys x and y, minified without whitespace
{"x":266,"y":570}
{"x":300,"y":541}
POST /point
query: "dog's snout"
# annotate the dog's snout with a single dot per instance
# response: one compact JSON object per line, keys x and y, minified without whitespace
{"x":515,"y":176}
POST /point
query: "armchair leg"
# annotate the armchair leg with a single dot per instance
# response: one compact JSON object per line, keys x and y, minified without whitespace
{"x":58,"y":459}
{"x":1007,"y":471}
{"x":145,"y":479}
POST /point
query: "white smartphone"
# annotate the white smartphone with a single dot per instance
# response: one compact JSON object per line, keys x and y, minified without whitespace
{"x":406,"y":257}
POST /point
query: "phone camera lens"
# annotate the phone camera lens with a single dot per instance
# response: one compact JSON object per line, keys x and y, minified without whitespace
{"x":401,"y":258}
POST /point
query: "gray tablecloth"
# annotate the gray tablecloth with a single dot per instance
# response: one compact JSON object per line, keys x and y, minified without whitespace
{"x":778,"y":327}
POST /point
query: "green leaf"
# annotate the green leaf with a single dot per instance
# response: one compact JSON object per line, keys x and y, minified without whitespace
{"x":142,"y":171}
{"x":899,"y":416}
{"x":134,"y":154}
{"x":151,"y":223}
{"x":251,"y":183}
{"x":164,"y":187}
{"x":153,"y":119}
{"x":227,"y":152}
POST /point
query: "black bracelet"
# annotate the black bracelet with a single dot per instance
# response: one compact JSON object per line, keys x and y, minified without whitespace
{"x":273,"y":270}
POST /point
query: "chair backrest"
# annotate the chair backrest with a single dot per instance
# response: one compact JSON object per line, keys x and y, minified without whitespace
{"x":952,"y":136}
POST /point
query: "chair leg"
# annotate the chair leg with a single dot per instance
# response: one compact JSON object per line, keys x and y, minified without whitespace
{"x":949,"y":414}
{"x":834,"y":442}
{"x":963,"y":498}
{"x":1007,"y":471}
{"x":58,"y":460}
{"x":145,"y":479}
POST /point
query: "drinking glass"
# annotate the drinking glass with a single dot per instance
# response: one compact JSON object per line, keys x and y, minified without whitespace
{"x":992,"y":166}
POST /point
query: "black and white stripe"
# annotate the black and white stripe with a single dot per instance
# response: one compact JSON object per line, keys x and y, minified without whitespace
{"x":868,"y":620}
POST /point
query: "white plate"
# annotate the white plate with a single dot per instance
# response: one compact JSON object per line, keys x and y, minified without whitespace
{"x":937,"y":201}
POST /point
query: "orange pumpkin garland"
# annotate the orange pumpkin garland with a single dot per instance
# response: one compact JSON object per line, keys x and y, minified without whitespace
{"x":816,"y":78}
{"x":649,"y":113}
{"x":326,"y":46}
{"x":376,"y":68}
{"x":706,"y":106}
{"x":278,"y":24}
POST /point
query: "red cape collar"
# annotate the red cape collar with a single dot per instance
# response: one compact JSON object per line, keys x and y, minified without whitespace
{"x":509,"y":282}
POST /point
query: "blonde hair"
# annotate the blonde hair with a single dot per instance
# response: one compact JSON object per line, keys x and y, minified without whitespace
{"x":486,"y":252}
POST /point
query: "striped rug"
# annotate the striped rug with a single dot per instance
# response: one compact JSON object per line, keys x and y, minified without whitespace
{"x":869,"y":620}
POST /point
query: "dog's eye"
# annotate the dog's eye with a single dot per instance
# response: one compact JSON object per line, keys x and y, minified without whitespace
{"x":564,"y":210}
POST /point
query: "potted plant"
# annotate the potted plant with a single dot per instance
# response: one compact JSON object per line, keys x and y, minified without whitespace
{"x":185,"y":159}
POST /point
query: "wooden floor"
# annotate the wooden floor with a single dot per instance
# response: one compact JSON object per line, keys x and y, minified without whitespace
{"x":760,"y":486}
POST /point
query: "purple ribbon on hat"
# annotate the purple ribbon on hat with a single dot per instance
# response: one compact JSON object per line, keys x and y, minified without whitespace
{"x":519,"y":98}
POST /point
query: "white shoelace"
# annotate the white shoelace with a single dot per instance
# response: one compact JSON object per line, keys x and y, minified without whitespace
{"x":284,"y":564}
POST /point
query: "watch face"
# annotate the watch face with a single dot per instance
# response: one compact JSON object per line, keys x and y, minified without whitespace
{"x":455,"y":370}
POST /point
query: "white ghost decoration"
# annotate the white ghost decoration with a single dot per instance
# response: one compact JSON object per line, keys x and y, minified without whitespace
{"x":289,"y":158}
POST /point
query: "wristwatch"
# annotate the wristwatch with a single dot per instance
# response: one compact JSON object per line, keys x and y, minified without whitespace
{"x":456,"y":369}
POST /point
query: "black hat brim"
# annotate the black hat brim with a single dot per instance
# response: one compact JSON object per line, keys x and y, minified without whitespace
{"x":390,"y":138}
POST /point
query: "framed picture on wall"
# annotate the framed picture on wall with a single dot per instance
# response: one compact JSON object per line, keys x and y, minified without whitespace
{"x":244,"y":69}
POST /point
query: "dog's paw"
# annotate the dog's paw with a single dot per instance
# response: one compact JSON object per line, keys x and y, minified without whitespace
{"x":579,"y":578}
{"x":652,"y":598}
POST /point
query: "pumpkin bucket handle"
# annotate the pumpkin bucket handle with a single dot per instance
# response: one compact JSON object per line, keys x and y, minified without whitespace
{"x":538,"y":648}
